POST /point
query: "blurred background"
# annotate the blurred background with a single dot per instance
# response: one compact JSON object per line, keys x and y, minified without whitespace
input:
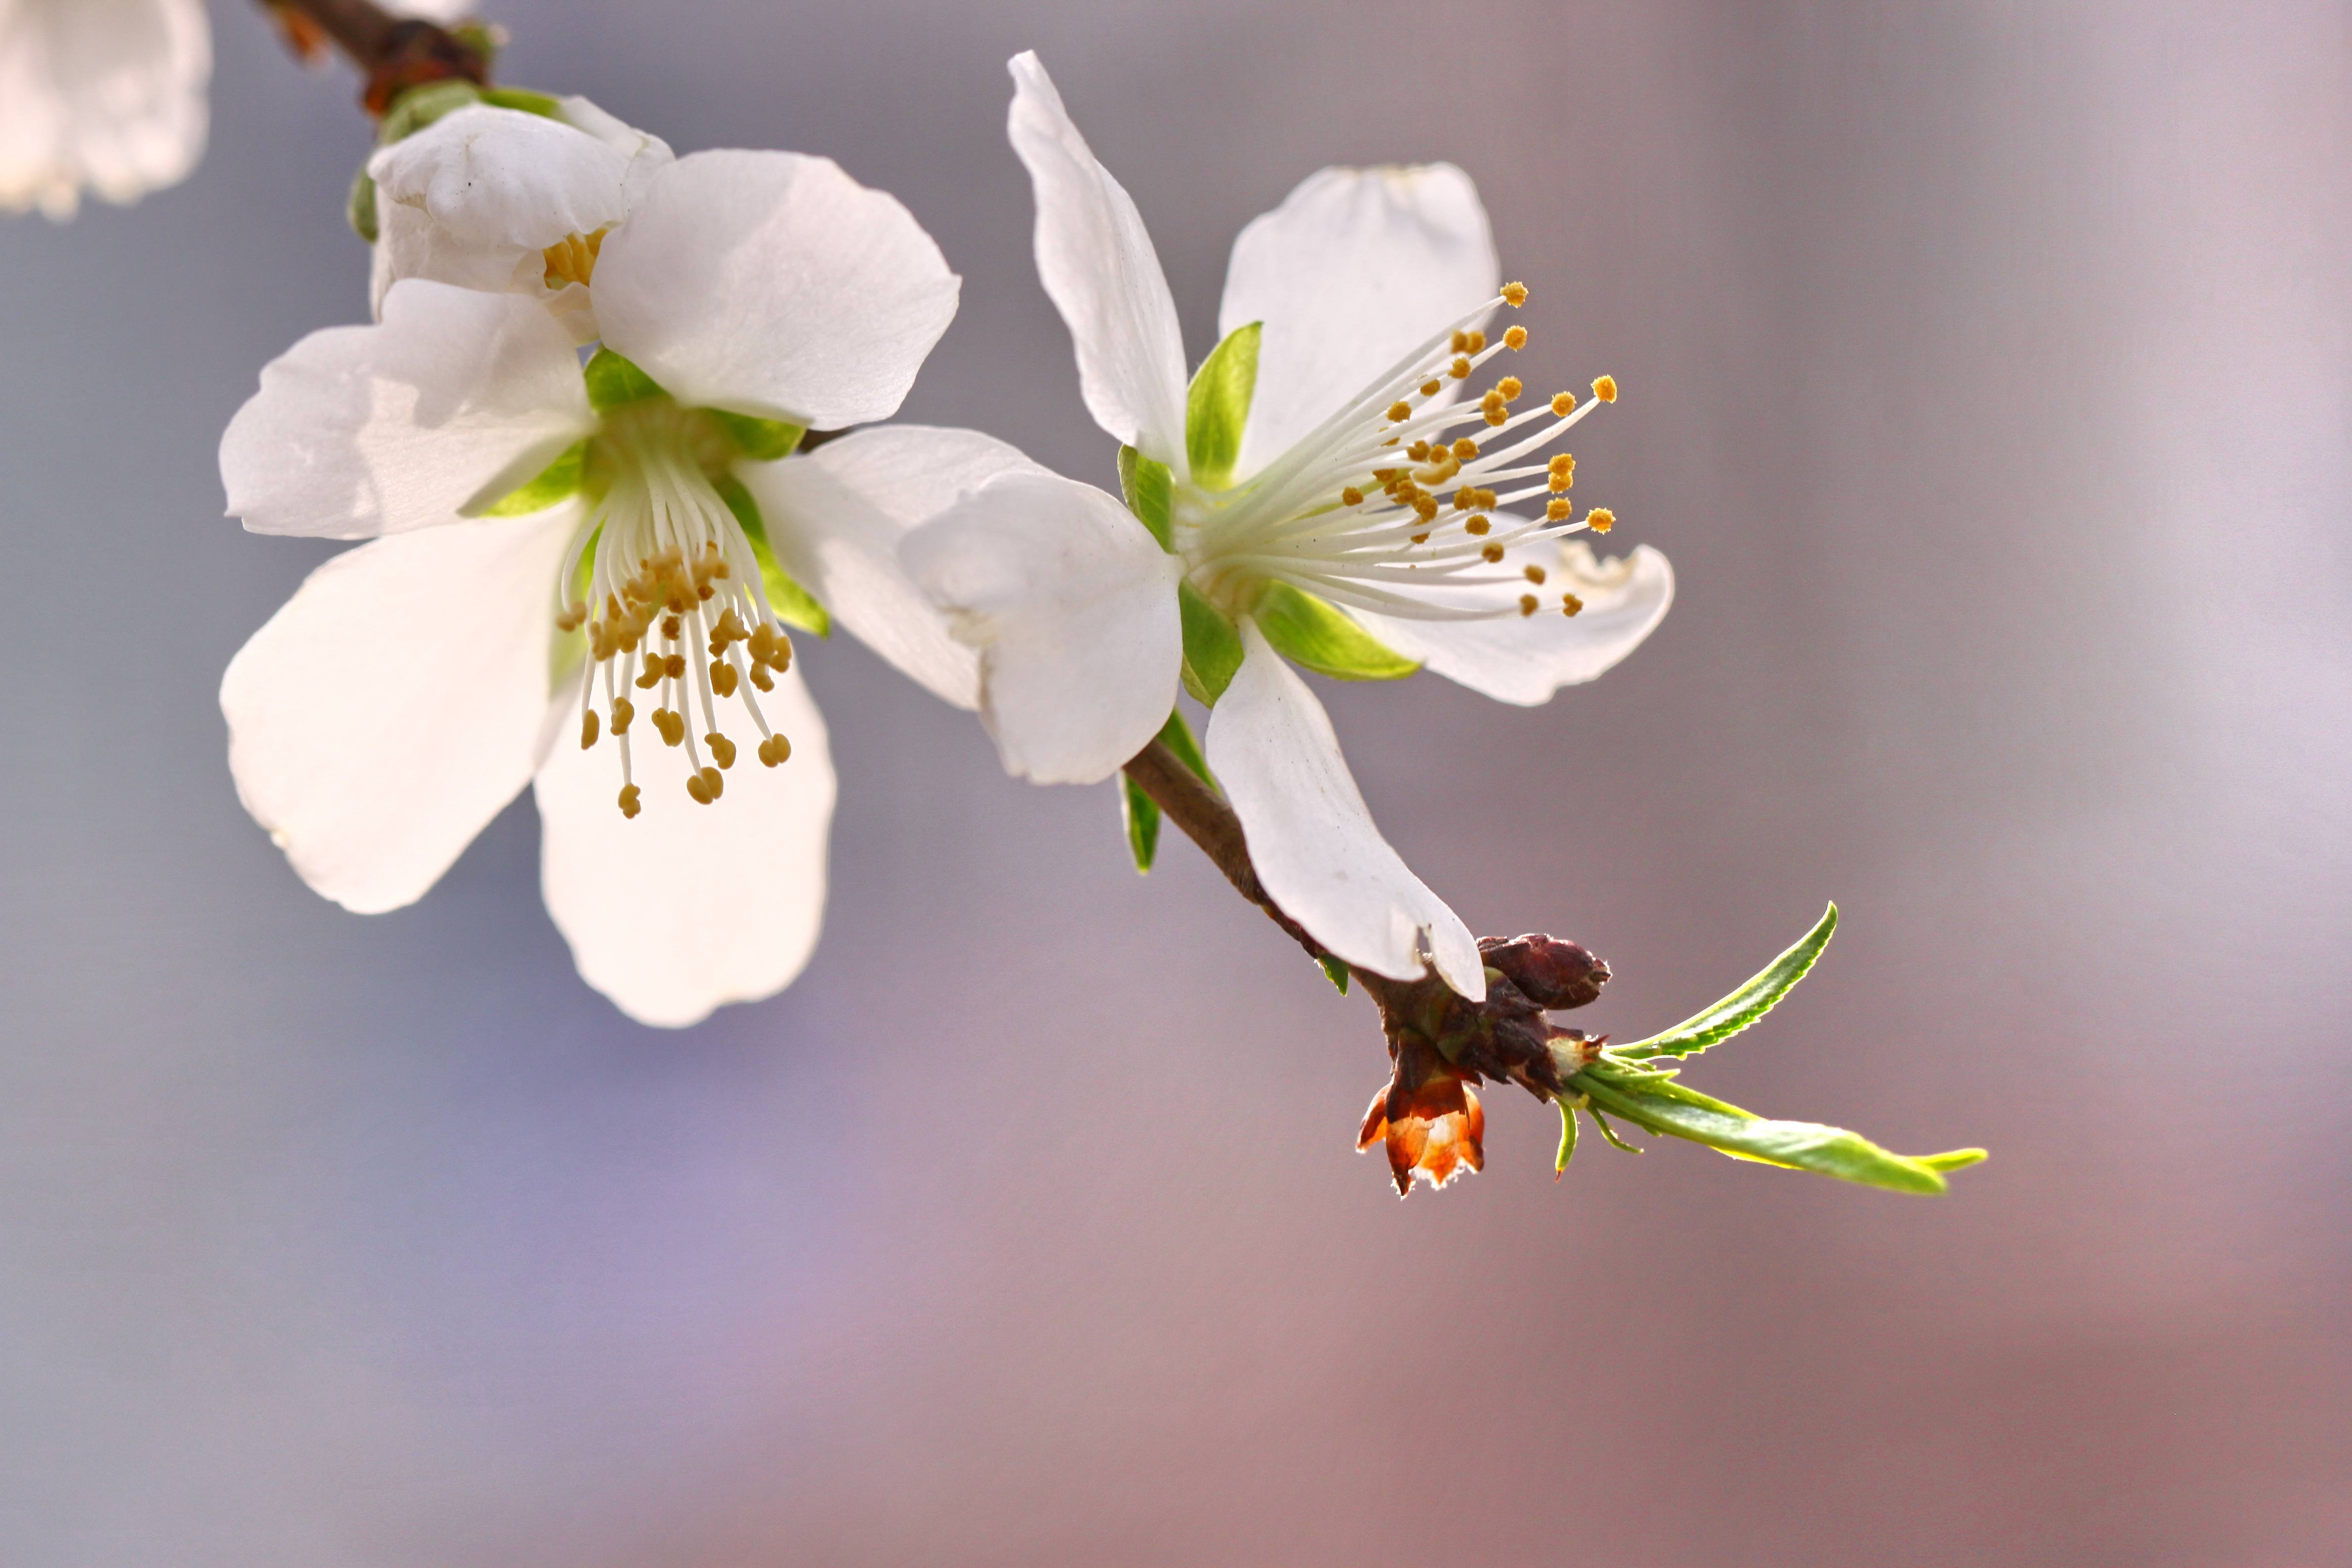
{"x":1986,"y":373}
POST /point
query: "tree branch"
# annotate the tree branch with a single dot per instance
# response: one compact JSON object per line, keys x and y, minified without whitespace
{"x":394,"y":53}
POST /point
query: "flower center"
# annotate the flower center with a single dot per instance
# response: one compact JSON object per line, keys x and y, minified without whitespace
{"x":673,"y":603}
{"x":1391,"y":500}
{"x":573,"y":259}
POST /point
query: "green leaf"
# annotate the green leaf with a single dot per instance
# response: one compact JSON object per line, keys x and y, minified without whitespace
{"x":1146,"y":485}
{"x":1324,"y":639}
{"x":764,"y":440}
{"x":793,"y":604}
{"x":1212,"y":646}
{"x":1566,"y":1137}
{"x":1334,"y":970}
{"x":362,"y":210}
{"x":1177,"y":736}
{"x":420,"y":106}
{"x":1140,"y":814}
{"x":1218,"y":406}
{"x":523,"y":99}
{"x":1744,"y":1135}
{"x":614,"y":381}
{"x":558,"y":480}
{"x":1743,"y":1006}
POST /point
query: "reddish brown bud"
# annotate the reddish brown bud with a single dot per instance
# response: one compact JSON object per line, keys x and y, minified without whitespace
{"x":1549,"y":972}
{"x":1431,"y":1120}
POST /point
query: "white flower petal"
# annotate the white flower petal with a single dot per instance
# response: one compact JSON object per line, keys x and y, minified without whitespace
{"x":103,"y":94}
{"x":836,"y":518}
{"x":772,"y":284}
{"x":1353,"y":270}
{"x":1098,"y":266}
{"x":476,"y":197}
{"x":1311,"y":838}
{"x":395,"y":704}
{"x":1526,"y":658}
{"x":1072,"y":605}
{"x":686,"y":907}
{"x":456,"y":399}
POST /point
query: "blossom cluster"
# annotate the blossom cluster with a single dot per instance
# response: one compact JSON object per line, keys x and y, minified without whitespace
{"x":572,"y":439}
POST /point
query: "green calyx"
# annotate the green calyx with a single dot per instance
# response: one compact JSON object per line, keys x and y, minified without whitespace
{"x":1149,"y":488}
{"x":1620,"y":1082}
{"x":1216,"y":409}
{"x":1324,"y":639}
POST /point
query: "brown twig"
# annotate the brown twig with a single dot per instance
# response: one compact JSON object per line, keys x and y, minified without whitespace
{"x":393,"y":53}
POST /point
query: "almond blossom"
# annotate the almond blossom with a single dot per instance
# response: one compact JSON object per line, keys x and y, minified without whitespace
{"x":1321,"y":492}
{"x":584,"y":581}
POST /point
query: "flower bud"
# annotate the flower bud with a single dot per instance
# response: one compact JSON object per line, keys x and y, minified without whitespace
{"x":1550,"y":973}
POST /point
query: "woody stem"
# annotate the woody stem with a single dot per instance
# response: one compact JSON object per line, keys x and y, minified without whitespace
{"x":394,"y":53}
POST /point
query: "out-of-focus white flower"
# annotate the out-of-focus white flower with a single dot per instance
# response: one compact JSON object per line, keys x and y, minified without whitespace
{"x":1316,"y":491}
{"x":108,"y":96}
{"x":549,"y":550}
{"x":511,"y":201}
{"x":101,"y":95}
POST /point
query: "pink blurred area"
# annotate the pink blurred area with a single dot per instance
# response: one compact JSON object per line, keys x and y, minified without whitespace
{"x":1985,"y":374}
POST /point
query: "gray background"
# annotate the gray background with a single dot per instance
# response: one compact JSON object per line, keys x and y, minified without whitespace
{"x":1986,"y":370}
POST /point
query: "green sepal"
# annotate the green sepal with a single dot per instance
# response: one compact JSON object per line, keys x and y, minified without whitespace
{"x":1326,"y":639}
{"x":1140,"y":814}
{"x":765,"y":440}
{"x":1212,"y":645}
{"x":557,"y":481}
{"x":1566,"y":1138}
{"x":421,"y":105}
{"x":1673,"y":1112}
{"x":614,"y":382}
{"x":1743,"y":1006}
{"x":795,"y":606}
{"x":1138,"y":811}
{"x":1334,"y":970}
{"x":1147,"y":485}
{"x":361,"y":209}
{"x":1217,"y":407}
{"x":524,"y":99}
{"x":482,"y":38}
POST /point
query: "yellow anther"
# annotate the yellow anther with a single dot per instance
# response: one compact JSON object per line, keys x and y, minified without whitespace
{"x":1561,"y":480}
{"x":1569,"y":604}
{"x":774,"y":750}
{"x":713,"y":782}
{"x":1351,"y":496}
{"x":1510,"y":388}
{"x":1599,"y":520}
{"x":1426,"y":506}
{"x":629,"y":807}
{"x":722,"y":677}
{"x":780,"y":654}
{"x":1564,"y":404}
{"x":1465,"y":499}
{"x":588,"y":729}
{"x":670,"y":627}
{"x":1488,"y":498}
{"x":624,"y":713}
{"x":1492,"y":403}
{"x":760,"y":679}
{"x":1461,"y":341}
{"x":1517,"y":338}
{"x":1493,"y":553}
{"x":572,"y":259}
{"x":1477,"y":342}
{"x":1465,"y":448}
{"x":1418,"y":451}
{"x":698,"y":789}
{"x":1515,"y":294}
{"x":649,"y":677}
{"x":1535,"y":575}
{"x":722,"y":750}
{"x":1528,"y":604}
{"x":1562,"y":463}
{"x":675,"y":666}
{"x":1459,"y":370}
{"x":1477,"y":525}
{"x":671,"y":726}
{"x":1399,"y":412}
{"x":1432,"y":388}
{"x":1420,"y":538}
{"x":1606,"y":389}
{"x":1559,"y":510}
{"x":1497,"y":417}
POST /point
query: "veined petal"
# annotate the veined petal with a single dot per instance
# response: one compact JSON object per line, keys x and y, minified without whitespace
{"x":836,"y":518}
{"x":772,"y":284}
{"x":454,"y":400}
{"x":1098,"y":266}
{"x":687,"y":907}
{"x":1072,"y":605}
{"x":1526,"y":658}
{"x":395,"y":704}
{"x":1355,"y":269}
{"x":476,"y":197}
{"x":1311,"y":837}
{"x":103,"y":94}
